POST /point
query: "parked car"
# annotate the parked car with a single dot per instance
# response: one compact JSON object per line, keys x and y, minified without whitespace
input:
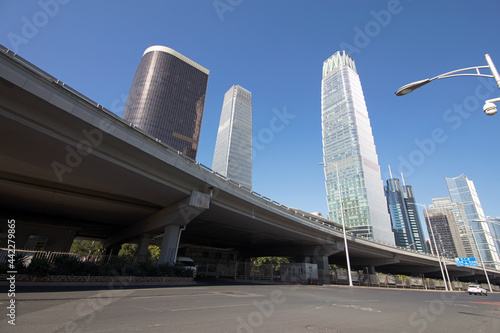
{"x":188,"y":263}
{"x":477,"y":290}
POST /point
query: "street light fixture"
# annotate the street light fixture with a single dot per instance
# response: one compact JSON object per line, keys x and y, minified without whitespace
{"x":489,"y":108}
{"x":441,"y":264}
{"x":343,"y":226}
{"x":482,"y":262}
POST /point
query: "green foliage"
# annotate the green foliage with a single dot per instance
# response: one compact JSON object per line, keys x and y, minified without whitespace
{"x":84,"y":248}
{"x":275,"y":261}
{"x":67,"y":265}
{"x":39,"y":267}
{"x":165,"y":270}
{"x":180,"y":270}
{"x":154,"y":252}
{"x":118,"y":266}
{"x":128,"y":250}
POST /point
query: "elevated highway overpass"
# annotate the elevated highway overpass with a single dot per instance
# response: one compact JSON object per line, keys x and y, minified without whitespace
{"x":70,"y":168}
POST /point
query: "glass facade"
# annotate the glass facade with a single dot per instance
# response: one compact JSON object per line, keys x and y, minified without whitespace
{"x":404,"y":216}
{"x":462,"y":190}
{"x":446,"y":234}
{"x":494,"y":223}
{"x":233,"y":149}
{"x":349,"y":146}
{"x":466,"y":234}
{"x":167,"y":98}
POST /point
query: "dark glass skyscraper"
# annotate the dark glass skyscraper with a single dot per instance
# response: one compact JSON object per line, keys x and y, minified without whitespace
{"x":167,"y":97}
{"x":406,"y":225}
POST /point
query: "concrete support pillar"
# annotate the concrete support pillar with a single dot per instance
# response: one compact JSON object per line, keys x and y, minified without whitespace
{"x":170,"y":244}
{"x":323,"y":269}
{"x":142,"y":248}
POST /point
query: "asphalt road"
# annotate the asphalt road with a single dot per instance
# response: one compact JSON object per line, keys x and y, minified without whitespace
{"x":249,"y":308}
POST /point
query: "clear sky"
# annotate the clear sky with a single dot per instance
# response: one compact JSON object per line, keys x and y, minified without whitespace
{"x":276,"y":49}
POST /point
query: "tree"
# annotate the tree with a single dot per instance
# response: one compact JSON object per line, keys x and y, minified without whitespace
{"x":275,"y":261}
{"x":84,"y":248}
{"x":154,"y":252}
{"x":128,"y":250}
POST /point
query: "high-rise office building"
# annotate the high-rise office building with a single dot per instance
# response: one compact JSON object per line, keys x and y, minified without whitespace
{"x":494,"y":223}
{"x":233,"y":149}
{"x":462,"y":190}
{"x":348,"y":146}
{"x":167,"y":98}
{"x":446,"y":234}
{"x":403,"y":211}
{"x":466,"y":234}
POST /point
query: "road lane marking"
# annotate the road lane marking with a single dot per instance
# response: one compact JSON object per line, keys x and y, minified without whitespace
{"x":487,"y":303}
{"x":211,"y":307}
{"x":169,"y":296}
{"x":229,"y":294}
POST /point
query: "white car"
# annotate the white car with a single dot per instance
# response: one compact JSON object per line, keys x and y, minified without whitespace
{"x":188,"y":264}
{"x":477,"y":290}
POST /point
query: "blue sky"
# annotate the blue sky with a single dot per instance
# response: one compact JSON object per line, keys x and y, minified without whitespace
{"x":276,"y":49}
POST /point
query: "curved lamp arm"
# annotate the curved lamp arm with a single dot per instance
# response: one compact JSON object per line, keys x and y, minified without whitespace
{"x":408,"y":88}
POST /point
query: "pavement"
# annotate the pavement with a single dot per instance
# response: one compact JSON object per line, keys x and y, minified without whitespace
{"x":222,"y":306}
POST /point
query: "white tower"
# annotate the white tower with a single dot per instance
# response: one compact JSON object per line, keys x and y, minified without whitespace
{"x":233,"y":149}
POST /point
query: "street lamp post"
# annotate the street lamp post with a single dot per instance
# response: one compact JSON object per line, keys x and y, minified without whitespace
{"x":343,"y":226}
{"x":489,"y":108}
{"x":436,"y":247}
{"x":482,"y":262}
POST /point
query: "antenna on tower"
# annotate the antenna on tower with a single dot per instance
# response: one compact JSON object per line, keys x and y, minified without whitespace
{"x":403,"y":179}
{"x":390,"y":172}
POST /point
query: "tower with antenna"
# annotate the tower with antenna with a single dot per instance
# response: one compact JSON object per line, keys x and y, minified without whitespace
{"x":405,"y":221}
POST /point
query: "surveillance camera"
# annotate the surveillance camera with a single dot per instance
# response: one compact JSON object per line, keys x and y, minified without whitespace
{"x":490,"y":109}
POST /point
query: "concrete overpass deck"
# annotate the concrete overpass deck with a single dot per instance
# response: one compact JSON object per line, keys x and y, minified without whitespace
{"x":70,"y":168}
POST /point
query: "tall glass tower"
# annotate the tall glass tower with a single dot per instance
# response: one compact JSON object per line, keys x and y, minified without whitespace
{"x":466,"y":234}
{"x":167,"y":98}
{"x":406,"y":225}
{"x":349,"y":146}
{"x":462,"y":190}
{"x":233,"y":148}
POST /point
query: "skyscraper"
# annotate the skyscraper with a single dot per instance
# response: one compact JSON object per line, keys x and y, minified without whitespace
{"x":167,"y":97}
{"x":462,"y":190}
{"x":446,"y":234}
{"x":233,"y":148}
{"x":494,"y":223}
{"x":406,"y":225}
{"x":349,"y":146}
{"x":458,"y":211}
